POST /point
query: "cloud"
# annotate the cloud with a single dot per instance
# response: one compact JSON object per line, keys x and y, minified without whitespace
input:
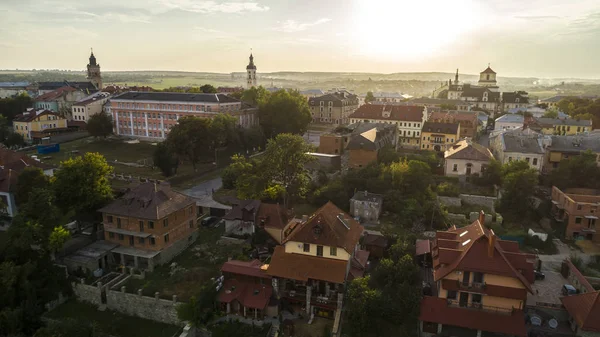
{"x":537,"y":17}
{"x":292,"y":26}
{"x":207,"y":7}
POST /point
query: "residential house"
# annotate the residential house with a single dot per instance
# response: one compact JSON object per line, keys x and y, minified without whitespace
{"x":92,"y":105}
{"x":34,"y":125}
{"x":11,"y":89}
{"x":375,"y":243}
{"x":564,"y":147}
{"x":466,"y":158}
{"x":366,"y":207}
{"x":273,"y":218}
{"x":11,"y":165}
{"x":151,"y":115}
{"x":324,"y":162}
{"x":519,"y":145}
{"x":242,"y":217}
{"x":439,"y":136}
{"x":508,"y":122}
{"x":468,"y":120}
{"x":482,"y":97}
{"x":579,"y":209}
{"x":246,"y":290}
{"x":390,"y":97}
{"x":481,"y":284}
{"x":560,"y":126}
{"x":333,"y":143}
{"x":408,"y":119}
{"x":316,"y":259}
{"x":333,"y":108}
{"x":552,"y":101}
{"x":441,"y":102}
{"x":518,"y":100}
{"x":367,"y":140}
{"x":309,"y":93}
{"x":59,"y":100}
{"x":584,"y":310}
{"x":151,"y":223}
{"x":41,"y":88}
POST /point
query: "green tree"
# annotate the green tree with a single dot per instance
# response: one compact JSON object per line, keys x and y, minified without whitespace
{"x":12,"y":106}
{"x":446,"y":106}
{"x":165,"y":160}
{"x":224,"y":131}
{"x":492,"y":174}
{"x":286,"y":111}
{"x":100,"y":125}
{"x":256,"y":95}
{"x":253,"y":138}
{"x":369,"y":97}
{"x":14,"y":139}
{"x":68,"y":327}
{"x":519,"y":184}
{"x":29,"y":179}
{"x":361,"y":307}
{"x":81,"y":184}
{"x":191,"y":139}
{"x":551,"y":113}
{"x":577,"y":171}
{"x":208,"y":89}
{"x":200,"y":310}
{"x":40,"y":214}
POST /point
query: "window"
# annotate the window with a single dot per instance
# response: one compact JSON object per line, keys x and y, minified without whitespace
{"x":527,"y":159}
{"x":306,"y":247}
{"x":166,"y":238}
{"x":476,"y":298}
{"x":578,"y":219}
{"x":141,"y":225}
{"x":455,"y":168}
{"x":509,"y":159}
{"x":141,"y":241}
{"x":191,"y":210}
{"x":191,"y":223}
{"x":109,"y":219}
{"x":333,"y":251}
{"x":118,"y":222}
{"x":152,"y":241}
{"x":451,"y":295}
{"x":477,"y":277}
{"x":111,"y":235}
{"x":535,"y":161}
{"x":319,"y":250}
{"x":166,"y":222}
{"x":579,"y":207}
{"x":121,"y":237}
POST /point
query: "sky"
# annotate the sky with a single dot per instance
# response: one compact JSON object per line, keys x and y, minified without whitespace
{"x":537,"y":38}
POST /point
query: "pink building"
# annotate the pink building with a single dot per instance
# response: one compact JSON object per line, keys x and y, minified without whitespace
{"x":151,"y":115}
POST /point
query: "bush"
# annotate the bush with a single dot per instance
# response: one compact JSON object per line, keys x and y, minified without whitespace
{"x":448,"y":189}
{"x":545,"y":247}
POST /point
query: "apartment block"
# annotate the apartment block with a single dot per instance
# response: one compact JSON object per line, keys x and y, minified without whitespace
{"x":578,"y":208}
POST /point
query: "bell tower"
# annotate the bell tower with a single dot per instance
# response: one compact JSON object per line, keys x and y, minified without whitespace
{"x":251,"y":73}
{"x":93,"y":72}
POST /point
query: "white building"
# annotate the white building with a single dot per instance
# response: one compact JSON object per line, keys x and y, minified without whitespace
{"x":508,"y":122}
{"x":466,"y":158}
{"x":520,"y":144}
{"x":89,"y":106}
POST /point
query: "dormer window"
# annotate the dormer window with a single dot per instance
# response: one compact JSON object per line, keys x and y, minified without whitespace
{"x":517,"y":100}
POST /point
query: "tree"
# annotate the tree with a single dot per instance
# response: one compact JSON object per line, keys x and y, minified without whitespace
{"x":284,"y":164}
{"x":40,"y":214}
{"x":100,"y":125}
{"x":224,"y":131}
{"x":12,"y":106}
{"x":519,"y":183}
{"x":165,"y":160}
{"x":253,"y":138}
{"x":369,"y":98}
{"x":492,"y":174}
{"x":577,"y":171}
{"x":201,"y":308}
{"x":81,"y":184}
{"x":29,"y":179}
{"x":14,"y":139}
{"x":208,"y":89}
{"x":551,"y":113}
{"x":361,"y":307}
{"x":256,"y":95}
{"x":286,"y":111}
{"x":68,"y":327}
{"x":191,"y":139}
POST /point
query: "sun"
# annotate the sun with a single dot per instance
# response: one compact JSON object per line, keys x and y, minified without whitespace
{"x":400,"y":29}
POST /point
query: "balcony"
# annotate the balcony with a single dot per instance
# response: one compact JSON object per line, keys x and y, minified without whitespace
{"x":480,"y":307}
{"x":471,"y":285}
{"x":300,"y":295}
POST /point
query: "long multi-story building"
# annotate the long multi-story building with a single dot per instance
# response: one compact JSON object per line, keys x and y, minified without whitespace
{"x":36,"y":124}
{"x":89,"y":106}
{"x":151,"y":115}
{"x":333,"y":108}
{"x":481,"y":285}
{"x":408,"y":119}
{"x":578,"y":207}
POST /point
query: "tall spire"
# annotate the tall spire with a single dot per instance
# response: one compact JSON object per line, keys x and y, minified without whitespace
{"x":456,"y":77}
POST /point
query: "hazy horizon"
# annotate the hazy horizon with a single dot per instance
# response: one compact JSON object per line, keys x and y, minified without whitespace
{"x":539,"y":38}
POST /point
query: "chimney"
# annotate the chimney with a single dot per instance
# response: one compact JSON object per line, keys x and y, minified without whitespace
{"x":491,"y":243}
{"x":482,"y":217}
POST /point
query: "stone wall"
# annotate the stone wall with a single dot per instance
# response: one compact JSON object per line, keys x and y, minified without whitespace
{"x":479,"y":200}
{"x":87,"y":293}
{"x":449,"y":201}
{"x":152,"y":308}
{"x":457,"y":217}
{"x":169,"y":253}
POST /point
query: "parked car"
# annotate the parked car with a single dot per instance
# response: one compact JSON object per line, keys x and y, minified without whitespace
{"x":209,"y":221}
{"x":568,"y":289}
{"x":539,"y":275}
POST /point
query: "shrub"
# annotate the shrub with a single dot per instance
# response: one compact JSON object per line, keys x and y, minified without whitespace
{"x":448,"y":189}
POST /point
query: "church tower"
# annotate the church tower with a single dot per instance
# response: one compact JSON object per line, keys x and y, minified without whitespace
{"x":487,"y":78}
{"x":93,"y":72}
{"x":251,"y":69}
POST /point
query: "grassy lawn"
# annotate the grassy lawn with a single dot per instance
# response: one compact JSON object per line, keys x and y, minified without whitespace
{"x":112,"y":322}
{"x":195,"y":266}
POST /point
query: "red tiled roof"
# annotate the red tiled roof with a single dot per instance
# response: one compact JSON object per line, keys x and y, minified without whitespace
{"x":274,"y":215}
{"x":436,"y":310}
{"x":423,"y":247}
{"x":8,"y":179}
{"x":585,"y":310}
{"x":405,"y":113}
{"x":248,"y":268}
{"x":52,"y":95}
{"x":338,"y":229}
{"x":472,"y":254}
{"x":375,"y":240}
{"x":251,"y":295}
{"x":358,"y":264}
{"x":303,"y":267}
{"x":31,"y":115}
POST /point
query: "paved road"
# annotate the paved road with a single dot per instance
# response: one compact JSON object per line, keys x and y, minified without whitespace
{"x":552,"y":262}
{"x":205,"y":188}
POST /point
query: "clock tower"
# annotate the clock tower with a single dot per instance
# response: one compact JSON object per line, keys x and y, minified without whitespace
{"x":251,"y":73}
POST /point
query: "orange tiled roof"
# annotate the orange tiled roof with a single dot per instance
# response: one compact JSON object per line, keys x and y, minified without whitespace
{"x":405,"y":113}
{"x":303,"y":267}
{"x":585,"y":310}
{"x":248,"y":268}
{"x":251,"y":295}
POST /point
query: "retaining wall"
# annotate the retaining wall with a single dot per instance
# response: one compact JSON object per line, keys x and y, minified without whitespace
{"x":138,"y":305}
{"x":479,"y":200}
{"x":449,"y":201}
{"x":87,"y":293}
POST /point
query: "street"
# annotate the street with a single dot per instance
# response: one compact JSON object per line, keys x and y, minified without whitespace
{"x":205,"y":188}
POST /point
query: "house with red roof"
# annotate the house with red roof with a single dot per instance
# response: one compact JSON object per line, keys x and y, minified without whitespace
{"x":481,"y":284}
{"x":584,"y":313}
{"x":247,"y":290}
{"x":315,"y":260}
